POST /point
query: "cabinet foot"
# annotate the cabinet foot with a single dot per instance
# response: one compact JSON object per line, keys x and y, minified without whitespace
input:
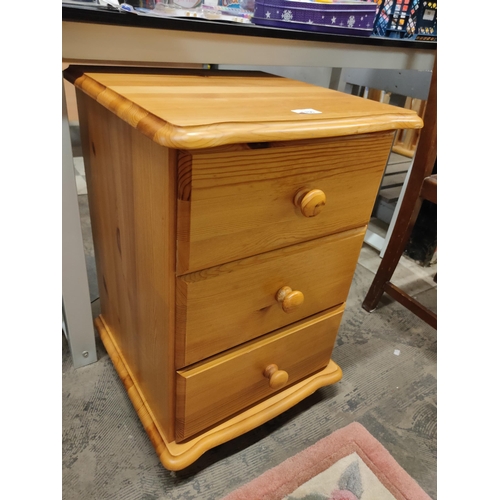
{"x":176,"y":456}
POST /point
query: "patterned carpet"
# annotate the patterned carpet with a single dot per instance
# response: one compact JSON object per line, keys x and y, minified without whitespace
{"x":349,"y":464}
{"x":389,"y":386}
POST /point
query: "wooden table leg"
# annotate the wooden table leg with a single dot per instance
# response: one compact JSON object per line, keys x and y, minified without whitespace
{"x":425,"y":159}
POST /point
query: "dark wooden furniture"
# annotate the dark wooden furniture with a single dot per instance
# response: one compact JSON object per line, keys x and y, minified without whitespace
{"x":422,"y":185}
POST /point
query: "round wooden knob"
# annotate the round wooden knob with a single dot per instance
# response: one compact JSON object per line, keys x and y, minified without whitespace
{"x":310,"y":201}
{"x":277,"y":378}
{"x":289,"y":299}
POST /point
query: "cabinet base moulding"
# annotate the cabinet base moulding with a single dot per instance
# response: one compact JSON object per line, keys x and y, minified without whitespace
{"x":176,"y":456}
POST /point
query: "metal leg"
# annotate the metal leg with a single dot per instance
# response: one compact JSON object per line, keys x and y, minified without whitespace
{"x":77,"y":314}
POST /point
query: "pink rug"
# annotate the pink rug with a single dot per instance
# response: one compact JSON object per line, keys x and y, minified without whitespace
{"x":350,"y":464}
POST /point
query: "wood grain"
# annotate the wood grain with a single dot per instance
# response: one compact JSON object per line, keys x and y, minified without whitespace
{"x":310,"y":202}
{"x":177,"y":456}
{"x":132,"y":191}
{"x":193,"y":179}
{"x":289,"y":299}
{"x":218,"y":388}
{"x":198,"y":109}
{"x":405,"y":142}
{"x":221,"y":307}
{"x":242,"y":204}
{"x":277,"y":378}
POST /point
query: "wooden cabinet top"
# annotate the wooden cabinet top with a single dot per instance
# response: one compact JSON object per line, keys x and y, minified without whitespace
{"x":193,"y":109}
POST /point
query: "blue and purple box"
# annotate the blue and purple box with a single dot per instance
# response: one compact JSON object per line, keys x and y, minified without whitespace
{"x":353,"y":18}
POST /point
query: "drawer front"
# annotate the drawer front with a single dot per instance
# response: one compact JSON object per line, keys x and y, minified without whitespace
{"x":234,"y":204}
{"x":218,"y":388}
{"x":224,"y":306}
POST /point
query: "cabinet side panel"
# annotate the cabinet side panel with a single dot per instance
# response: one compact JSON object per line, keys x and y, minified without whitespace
{"x":132,"y":202}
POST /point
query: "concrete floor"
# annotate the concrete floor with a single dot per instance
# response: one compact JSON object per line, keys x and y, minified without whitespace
{"x":389,"y":385}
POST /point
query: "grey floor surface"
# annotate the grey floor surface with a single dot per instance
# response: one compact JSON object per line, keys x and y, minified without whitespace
{"x":389,"y":360}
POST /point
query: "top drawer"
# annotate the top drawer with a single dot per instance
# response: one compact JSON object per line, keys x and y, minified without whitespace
{"x":234,"y":204}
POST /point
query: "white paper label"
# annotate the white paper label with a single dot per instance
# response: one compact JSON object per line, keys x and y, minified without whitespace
{"x":306,"y":111}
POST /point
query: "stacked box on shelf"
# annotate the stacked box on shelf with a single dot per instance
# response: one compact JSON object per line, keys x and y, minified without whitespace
{"x":354,"y":18}
{"x":426,"y":28}
{"x":411,"y":19}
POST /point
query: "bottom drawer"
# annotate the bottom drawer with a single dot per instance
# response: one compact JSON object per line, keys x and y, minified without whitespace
{"x":213,"y":390}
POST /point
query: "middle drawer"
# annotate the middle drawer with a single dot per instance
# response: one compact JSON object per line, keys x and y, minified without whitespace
{"x":224,"y":306}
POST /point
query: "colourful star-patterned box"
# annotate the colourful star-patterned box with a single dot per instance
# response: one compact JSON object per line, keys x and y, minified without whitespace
{"x":353,"y":18}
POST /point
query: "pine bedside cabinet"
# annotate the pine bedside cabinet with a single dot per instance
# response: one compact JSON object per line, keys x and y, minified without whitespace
{"x":228,"y":211}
